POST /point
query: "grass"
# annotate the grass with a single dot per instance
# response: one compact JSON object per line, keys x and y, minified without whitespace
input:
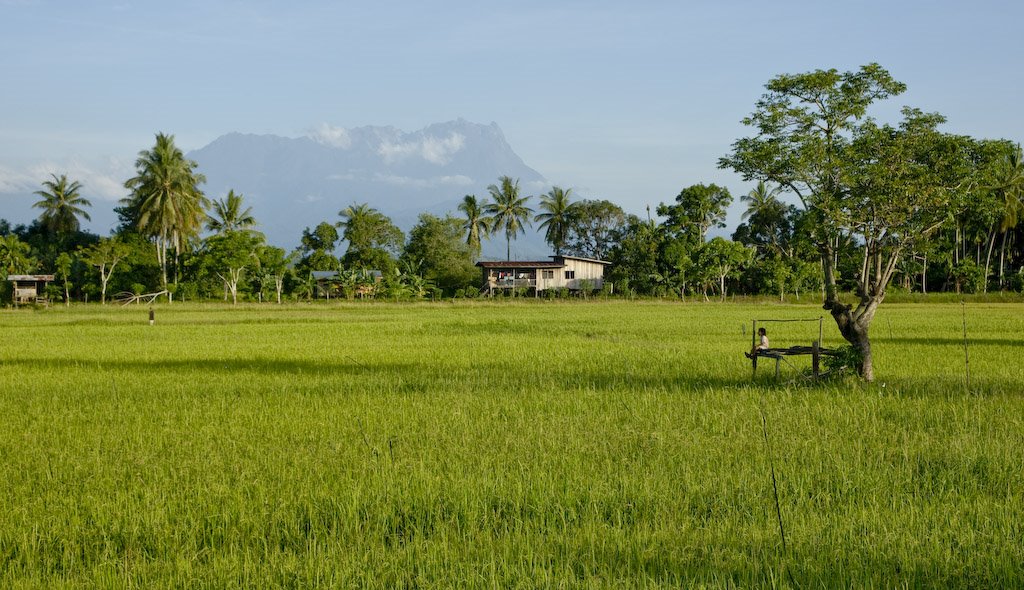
{"x":517,"y":444}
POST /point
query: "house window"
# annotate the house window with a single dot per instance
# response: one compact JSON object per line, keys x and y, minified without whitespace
{"x":570,"y":274}
{"x":547,"y":274}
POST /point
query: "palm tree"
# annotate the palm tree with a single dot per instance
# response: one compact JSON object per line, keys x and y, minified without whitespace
{"x":165,"y":193}
{"x":229,"y":216}
{"x":759,"y":200}
{"x":15,"y":256}
{"x":477,"y":223}
{"x":509,"y":210}
{"x":557,"y":217}
{"x":62,"y":205}
{"x":1009,"y":189}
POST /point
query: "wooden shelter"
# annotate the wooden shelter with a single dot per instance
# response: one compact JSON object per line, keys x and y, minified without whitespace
{"x":29,"y":288}
{"x":561,"y":272}
{"x":815,"y":350}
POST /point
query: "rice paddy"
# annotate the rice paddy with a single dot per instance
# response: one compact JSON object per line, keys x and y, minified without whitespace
{"x":508,"y":444}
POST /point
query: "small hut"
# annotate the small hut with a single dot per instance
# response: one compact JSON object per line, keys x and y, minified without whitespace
{"x":29,"y":288}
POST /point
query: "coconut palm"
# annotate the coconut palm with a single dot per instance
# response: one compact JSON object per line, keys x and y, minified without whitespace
{"x":15,"y":256}
{"x":165,"y":194}
{"x":477,"y":223}
{"x":508,"y":210}
{"x":229,"y":216}
{"x":557,"y":217}
{"x":62,"y":205}
{"x":1008,"y":186}
{"x":759,"y":200}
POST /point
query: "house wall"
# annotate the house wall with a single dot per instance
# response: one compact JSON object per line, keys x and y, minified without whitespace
{"x":584,"y":271}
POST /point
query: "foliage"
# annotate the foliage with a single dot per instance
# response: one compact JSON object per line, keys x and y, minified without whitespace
{"x":165,"y":201}
{"x":105,"y":256}
{"x":594,"y":227}
{"x":847,"y":359}
{"x":508,"y":210}
{"x":477,"y":224}
{"x":697,"y":209}
{"x":15,"y":256}
{"x":316,"y":251}
{"x":373,"y":241}
{"x":439,"y":254}
{"x":62,"y":205}
{"x":885,"y":188}
{"x":228,"y":215}
{"x":556,"y":217}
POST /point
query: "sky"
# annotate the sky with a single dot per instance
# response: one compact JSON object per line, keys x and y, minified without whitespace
{"x":625,"y":101}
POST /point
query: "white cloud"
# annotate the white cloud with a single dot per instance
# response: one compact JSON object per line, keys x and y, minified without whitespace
{"x":432,"y":149}
{"x":456,"y":180}
{"x":15,"y":181}
{"x":99,"y":182}
{"x":333,"y":136}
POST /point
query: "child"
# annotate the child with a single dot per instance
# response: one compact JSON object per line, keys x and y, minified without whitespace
{"x":762,"y":345}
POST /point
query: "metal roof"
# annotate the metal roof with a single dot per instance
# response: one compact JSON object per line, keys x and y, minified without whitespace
{"x":46,"y":278}
{"x":519,"y":264}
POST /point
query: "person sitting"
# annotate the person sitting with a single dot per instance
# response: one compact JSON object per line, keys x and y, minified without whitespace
{"x":762,"y":345}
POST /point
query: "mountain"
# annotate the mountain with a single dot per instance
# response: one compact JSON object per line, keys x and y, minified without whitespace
{"x":294,"y":183}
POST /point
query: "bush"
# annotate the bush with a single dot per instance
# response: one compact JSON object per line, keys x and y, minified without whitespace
{"x":846,"y":360}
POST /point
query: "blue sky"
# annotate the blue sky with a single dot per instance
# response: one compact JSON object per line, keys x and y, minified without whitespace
{"x":625,"y":101}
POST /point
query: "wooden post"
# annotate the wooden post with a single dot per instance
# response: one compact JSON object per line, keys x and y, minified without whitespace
{"x":815,"y":357}
{"x":753,"y":346}
{"x":820,"y":321}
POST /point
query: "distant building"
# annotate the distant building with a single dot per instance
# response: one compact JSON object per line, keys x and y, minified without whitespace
{"x":561,"y":272}
{"x":29,"y":288}
{"x":327,"y":282}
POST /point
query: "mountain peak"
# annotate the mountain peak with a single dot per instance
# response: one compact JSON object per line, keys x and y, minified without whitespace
{"x":297,"y":182}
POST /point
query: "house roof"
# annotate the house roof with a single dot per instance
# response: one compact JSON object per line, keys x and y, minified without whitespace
{"x":320,"y":275}
{"x":594,"y":260}
{"x":46,"y":278}
{"x":519,"y":264}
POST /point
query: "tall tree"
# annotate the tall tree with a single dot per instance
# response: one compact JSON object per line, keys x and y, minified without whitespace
{"x":317,"y":249}
{"x":1008,"y":186}
{"x":15,"y":256}
{"x":373,"y":240}
{"x":229,"y":255}
{"x":595,"y":227}
{"x":886,"y":187}
{"x":165,"y":197}
{"x":697,"y":209}
{"x":556,"y":217}
{"x":105,"y":256}
{"x":476,"y":224}
{"x":437,"y":252}
{"x":509,"y":210}
{"x":62,"y":205}
{"x":228,"y":215}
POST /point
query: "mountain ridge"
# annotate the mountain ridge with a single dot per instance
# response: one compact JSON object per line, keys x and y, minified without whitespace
{"x":296,"y":182}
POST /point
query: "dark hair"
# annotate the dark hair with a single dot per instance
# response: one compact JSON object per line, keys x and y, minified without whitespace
{"x":762,"y":331}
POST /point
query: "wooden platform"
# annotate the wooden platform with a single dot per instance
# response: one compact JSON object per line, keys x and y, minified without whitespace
{"x":815,"y":351}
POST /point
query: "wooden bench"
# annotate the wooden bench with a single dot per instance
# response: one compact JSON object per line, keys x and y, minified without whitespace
{"x":814,"y":350}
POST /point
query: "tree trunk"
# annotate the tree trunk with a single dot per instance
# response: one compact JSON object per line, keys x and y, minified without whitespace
{"x":1002,"y":258}
{"x":863,"y":345}
{"x":988,"y":257}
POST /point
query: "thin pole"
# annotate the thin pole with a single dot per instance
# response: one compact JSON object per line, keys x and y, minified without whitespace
{"x":967,"y":358}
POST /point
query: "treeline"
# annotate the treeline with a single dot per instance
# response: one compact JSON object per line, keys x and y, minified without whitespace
{"x":172,"y":238}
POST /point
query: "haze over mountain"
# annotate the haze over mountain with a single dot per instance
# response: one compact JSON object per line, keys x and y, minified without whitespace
{"x":293,"y":183}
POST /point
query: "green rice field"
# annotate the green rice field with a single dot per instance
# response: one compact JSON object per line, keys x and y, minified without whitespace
{"x":514,"y":444}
